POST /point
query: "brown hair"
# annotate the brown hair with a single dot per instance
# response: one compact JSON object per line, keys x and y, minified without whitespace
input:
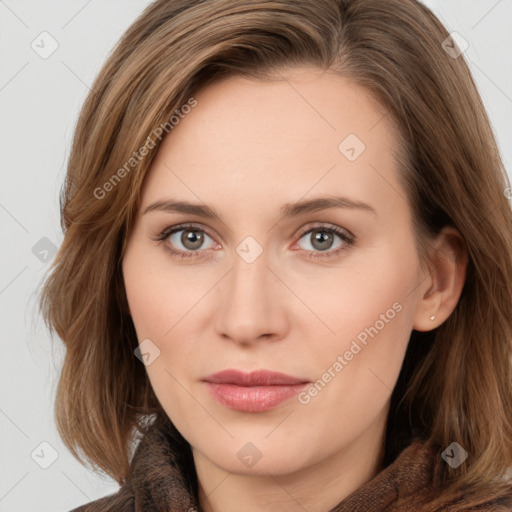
{"x":455,"y":383}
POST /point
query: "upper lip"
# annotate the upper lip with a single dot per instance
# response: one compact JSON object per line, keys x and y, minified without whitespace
{"x":255,"y":378}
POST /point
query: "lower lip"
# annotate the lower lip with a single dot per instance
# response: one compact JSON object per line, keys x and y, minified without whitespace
{"x":255,"y":398}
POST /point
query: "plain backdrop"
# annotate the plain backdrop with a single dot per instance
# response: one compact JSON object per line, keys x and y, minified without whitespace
{"x":40,"y":97}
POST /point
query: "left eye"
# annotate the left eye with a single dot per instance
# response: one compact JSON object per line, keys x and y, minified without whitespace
{"x":322,"y":239}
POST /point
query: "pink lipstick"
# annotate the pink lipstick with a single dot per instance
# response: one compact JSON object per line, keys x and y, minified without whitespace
{"x":257,"y":391}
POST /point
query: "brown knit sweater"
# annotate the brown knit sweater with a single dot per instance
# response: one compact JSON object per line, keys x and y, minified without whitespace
{"x":163,"y":479}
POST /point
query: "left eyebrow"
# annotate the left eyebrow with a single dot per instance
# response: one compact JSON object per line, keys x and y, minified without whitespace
{"x":287,"y":211}
{"x":323,"y":203}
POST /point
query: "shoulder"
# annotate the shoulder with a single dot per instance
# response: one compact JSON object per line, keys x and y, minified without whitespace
{"x":119,"y":502}
{"x":413,"y":482}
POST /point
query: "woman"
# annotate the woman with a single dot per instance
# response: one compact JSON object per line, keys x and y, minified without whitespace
{"x":286,"y":265}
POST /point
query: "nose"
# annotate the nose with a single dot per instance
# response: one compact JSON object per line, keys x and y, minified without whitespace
{"x":252,"y":303}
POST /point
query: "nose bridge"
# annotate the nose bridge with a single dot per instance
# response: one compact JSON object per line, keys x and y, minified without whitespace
{"x":250,"y":304}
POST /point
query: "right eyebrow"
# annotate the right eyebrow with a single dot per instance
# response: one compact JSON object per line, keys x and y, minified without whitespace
{"x":170,"y":206}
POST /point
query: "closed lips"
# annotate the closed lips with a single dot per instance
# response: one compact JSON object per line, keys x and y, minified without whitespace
{"x":255,"y":378}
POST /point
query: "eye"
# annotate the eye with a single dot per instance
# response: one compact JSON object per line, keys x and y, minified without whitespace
{"x":186,"y":241}
{"x":190,"y":241}
{"x":321,"y":241}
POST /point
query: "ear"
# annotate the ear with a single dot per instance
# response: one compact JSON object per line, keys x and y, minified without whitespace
{"x":441,"y":288}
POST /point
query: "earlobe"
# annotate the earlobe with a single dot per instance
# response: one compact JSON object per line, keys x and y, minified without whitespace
{"x":440,"y":294}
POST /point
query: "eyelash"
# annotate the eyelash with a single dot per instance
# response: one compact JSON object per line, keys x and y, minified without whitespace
{"x":348,"y":240}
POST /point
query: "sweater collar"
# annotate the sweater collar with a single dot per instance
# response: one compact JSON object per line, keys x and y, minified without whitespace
{"x":163,"y":477}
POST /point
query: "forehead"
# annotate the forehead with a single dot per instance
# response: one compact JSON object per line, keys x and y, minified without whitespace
{"x":307,"y":130}
{"x":304,"y":104}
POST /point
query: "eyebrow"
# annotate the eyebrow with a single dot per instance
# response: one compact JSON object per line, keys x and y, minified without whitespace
{"x":287,"y":211}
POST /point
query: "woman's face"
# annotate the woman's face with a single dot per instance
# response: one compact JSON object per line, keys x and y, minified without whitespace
{"x":265,"y":284}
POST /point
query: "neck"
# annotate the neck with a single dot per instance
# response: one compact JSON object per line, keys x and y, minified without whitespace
{"x":315,"y":488}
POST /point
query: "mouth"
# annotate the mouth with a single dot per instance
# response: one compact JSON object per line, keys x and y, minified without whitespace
{"x":257,"y":391}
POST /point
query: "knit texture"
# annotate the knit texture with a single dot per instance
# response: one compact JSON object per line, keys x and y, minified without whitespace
{"x":163,"y":479}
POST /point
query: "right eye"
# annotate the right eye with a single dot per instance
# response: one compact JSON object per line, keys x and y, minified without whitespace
{"x":185,"y":241}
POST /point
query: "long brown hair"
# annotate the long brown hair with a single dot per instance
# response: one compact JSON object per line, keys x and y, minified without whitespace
{"x":456,"y":381}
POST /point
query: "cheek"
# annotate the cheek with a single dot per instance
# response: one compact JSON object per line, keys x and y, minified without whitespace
{"x":164,"y":303}
{"x":370,"y":295}
{"x":357,"y":367}
{"x":158,"y":293}
{"x":369,"y":315}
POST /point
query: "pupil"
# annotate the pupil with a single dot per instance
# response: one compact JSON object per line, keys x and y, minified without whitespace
{"x":192,"y":239}
{"x":324,"y":239}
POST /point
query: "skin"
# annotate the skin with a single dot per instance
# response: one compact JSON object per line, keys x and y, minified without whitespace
{"x":247,"y":149}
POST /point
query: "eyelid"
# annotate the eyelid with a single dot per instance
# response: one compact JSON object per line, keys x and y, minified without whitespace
{"x":328,"y":226}
{"x":168,"y":231}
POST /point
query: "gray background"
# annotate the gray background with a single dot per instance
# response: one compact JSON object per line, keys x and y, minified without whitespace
{"x":39,"y":102}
